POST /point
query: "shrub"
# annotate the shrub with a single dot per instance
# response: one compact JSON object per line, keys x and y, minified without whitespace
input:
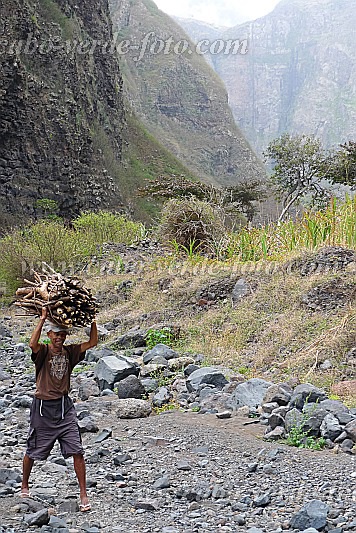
{"x":192,"y":224}
{"x":108,"y":227}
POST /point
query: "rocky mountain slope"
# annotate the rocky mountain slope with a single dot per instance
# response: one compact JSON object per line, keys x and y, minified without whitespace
{"x":59,"y":104}
{"x":178,"y":97}
{"x":299,"y":75}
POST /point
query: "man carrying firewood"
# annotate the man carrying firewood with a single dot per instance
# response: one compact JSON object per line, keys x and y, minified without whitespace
{"x":53,"y":416}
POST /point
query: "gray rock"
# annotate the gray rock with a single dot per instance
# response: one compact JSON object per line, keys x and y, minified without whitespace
{"x":190,"y":369}
{"x":133,"y":408}
{"x":240,"y":290}
{"x":149,"y":384}
{"x":111,"y":369}
{"x":87,"y":425}
{"x":159,"y":350}
{"x":162,"y":397}
{"x":209,"y":375}
{"x":134,"y":338}
{"x":306,"y":393}
{"x":249,"y":393}
{"x":312,"y":515}
{"x":350,"y":429}
{"x":280,"y":394}
{"x":275,"y":420}
{"x":7,"y":474}
{"x":262,"y":501}
{"x":88,"y":388}
{"x":159,"y":361}
{"x":275,"y":434}
{"x":130,"y":387}
{"x":330,"y":427}
{"x":94,"y":355}
{"x":40,"y":518}
{"x":161,"y":483}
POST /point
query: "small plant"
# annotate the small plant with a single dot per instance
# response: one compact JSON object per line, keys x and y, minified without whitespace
{"x":162,"y":379}
{"x":171,"y":406}
{"x":158,"y":336}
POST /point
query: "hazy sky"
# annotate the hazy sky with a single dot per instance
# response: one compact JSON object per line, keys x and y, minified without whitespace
{"x":218,"y":12}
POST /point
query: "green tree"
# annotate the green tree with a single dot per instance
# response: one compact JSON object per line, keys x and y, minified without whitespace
{"x":343,"y":170}
{"x":301,"y":167}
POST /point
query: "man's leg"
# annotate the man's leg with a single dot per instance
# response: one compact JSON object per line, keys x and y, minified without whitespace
{"x":80,"y":470}
{"x":26,"y":471}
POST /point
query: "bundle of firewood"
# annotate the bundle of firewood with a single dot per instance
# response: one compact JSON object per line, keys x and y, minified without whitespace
{"x":69,"y":303}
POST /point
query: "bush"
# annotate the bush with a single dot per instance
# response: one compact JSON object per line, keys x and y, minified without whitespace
{"x":46,"y":241}
{"x":63,"y":248}
{"x":108,"y":227}
{"x":192,"y":224}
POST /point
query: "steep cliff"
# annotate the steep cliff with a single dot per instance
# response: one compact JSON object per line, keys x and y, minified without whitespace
{"x":61,"y":106}
{"x":299,"y":75}
{"x":178,"y":97}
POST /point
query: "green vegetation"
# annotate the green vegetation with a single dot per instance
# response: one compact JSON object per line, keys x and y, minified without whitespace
{"x":300,"y":439}
{"x":303,"y":167}
{"x":63,"y":248}
{"x":158,"y":336}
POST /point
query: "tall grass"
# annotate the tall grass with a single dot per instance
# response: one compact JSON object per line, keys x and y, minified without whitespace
{"x":63,"y":248}
{"x":335,"y":226}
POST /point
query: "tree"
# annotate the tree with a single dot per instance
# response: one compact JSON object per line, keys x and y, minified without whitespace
{"x":300,"y":166}
{"x":343,"y":170}
{"x":240,"y":198}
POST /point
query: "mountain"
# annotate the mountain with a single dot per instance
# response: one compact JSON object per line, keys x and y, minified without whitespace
{"x":61,"y":107}
{"x":299,"y":74}
{"x":178,"y":97}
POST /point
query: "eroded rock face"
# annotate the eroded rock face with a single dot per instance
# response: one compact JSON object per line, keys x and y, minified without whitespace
{"x":297,"y":73}
{"x":60,"y":106}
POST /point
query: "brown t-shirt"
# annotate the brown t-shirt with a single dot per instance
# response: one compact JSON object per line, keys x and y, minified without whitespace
{"x":53,"y":370}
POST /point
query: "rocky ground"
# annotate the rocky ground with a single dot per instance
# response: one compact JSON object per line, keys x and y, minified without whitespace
{"x":179,"y":471}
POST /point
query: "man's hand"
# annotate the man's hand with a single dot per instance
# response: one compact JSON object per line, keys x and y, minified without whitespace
{"x":44,"y":313}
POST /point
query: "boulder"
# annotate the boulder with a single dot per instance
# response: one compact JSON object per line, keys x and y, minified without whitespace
{"x":161,"y":397}
{"x":130,"y":387}
{"x":330,"y":427}
{"x":134,"y":338}
{"x":209,"y":375}
{"x":280,"y":393}
{"x":350,"y":429}
{"x":112,"y":369}
{"x":133,"y":408}
{"x":306,"y":393}
{"x":250,"y":393}
{"x":159,"y":350}
{"x":312,"y":514}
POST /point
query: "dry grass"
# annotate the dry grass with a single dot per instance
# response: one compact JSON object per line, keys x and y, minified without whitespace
{"x":270,"y":333}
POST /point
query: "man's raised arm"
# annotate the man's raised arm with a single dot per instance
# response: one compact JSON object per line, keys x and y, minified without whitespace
{"x":36,"y":334}
{"x":93,"y":339}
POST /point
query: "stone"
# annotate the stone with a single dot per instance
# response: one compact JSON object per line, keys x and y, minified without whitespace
{"x":130,"y":387}
{"x":312,"y":514}
{"x":275,"y":434}
{"x":134,"y":338}
{"x":110,"y":370}
{"x":350,"y":429}
{"x":159,"y":350}
{"x":330,"y":427}
{"x":249,"y":393}
{"x":294,"y":418}
{"x":161,"y":397}
{"x":88,"y":425}
{"x":40,"y":518}
{"x":133,"y":408}
{"x":207,"y":375}
{"x":280,"y":394}
{"x":306,"y":393}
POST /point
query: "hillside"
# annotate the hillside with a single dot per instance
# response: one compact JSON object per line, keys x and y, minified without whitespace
{"x":299,"y":75}
{"x":178,"y":97}
{"x":55,"y":104}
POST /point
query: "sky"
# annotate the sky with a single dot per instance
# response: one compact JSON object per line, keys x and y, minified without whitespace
{"x":218,"y":12}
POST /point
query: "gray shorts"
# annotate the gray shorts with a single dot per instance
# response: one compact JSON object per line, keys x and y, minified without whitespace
{"x":52,"y":420}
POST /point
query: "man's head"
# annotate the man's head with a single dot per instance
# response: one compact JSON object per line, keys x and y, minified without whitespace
{"x":57,"y":334}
